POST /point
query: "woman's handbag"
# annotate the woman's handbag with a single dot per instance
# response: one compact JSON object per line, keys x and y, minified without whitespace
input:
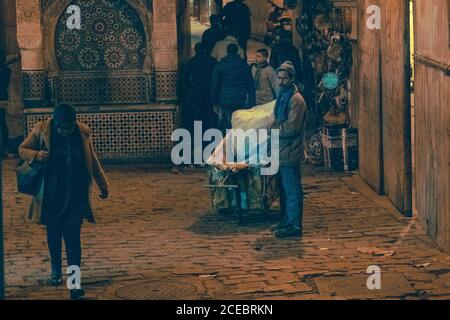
{"x":30,"y":176}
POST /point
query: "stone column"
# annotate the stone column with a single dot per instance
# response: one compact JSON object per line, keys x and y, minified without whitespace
{"x":30,"y":39}
{"x":8,"y":43}
{"x":165,"y":46}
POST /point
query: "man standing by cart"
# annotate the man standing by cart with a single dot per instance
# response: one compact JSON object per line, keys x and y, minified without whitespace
{"x":290,"y":115}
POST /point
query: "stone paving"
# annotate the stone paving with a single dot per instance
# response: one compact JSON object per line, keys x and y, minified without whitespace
{"x":158,"y":226}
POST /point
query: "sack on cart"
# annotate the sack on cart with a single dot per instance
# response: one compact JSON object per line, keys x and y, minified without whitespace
{"x":240,"y":184}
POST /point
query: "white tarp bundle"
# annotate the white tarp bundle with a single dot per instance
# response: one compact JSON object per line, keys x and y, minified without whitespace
{"x":259,"y":117}
{"x":256,"y":191}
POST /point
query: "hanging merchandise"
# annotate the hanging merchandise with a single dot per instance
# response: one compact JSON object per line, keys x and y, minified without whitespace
{"x":330,"y":81}
{"x":279,"y":21}
{"x":337,"y":114}
{"x":341,"y":19}
{"x":340,"y":55}
{"x":328,"y":87}
{"x":334,"y":84}
{"x":324,"y":31}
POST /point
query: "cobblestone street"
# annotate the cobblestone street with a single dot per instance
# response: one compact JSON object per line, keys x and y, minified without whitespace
{"x":157,"y":228}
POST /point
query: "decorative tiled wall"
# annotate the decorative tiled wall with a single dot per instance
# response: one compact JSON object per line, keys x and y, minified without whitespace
{"x":111,"y":38}
{"x":114,"y":70}
{"x":166,"y":86}
{"x":102,"y":63}
{"x":34,"y":88}
{"x":127,"y":134}
{"x":93,"y":88}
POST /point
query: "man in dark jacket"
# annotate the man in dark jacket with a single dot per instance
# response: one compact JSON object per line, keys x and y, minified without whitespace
{"x":290,"y":114}
{"x":198,"y":83}
{"x":214,"y":34}
{"x":232,"y":87}
{"x":236,"y":15}
{"x":283,"y":51}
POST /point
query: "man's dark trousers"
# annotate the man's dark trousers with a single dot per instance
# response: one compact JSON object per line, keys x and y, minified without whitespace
{"x":225,"y":120}
{"x":291,"y":195}
{"x":202,"y":109}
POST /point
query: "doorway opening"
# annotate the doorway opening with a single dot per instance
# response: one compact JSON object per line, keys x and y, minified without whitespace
{"x":201,"y":10}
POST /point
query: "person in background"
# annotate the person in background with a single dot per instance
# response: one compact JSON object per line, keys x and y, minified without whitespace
{"x":213,"y":35}
{"x":5,"y":76}
{"x":265,"y":78}
{"x":236,"y":15}
{"x":220,"y":49}
{"x":283,"y":51}
{"x":232,"y":87}
{"x":65,"y":145}
{"x":199,"y":72}
{"x":289,"y":118}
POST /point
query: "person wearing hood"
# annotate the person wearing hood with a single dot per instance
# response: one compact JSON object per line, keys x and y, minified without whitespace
{"x":63,"y":202}
{"x":289,"y":117}
{"x":220,"y":49}
{"x":232,"y":87}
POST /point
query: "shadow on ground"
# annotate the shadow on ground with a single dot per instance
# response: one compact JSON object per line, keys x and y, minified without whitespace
{"x":211,"y":223}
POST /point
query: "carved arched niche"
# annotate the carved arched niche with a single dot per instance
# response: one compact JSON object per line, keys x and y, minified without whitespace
{"x":112,"y":64}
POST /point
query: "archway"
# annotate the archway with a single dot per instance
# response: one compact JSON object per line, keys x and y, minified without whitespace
{"x":103,"y":63}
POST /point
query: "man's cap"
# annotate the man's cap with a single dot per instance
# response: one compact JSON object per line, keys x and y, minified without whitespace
{"x":287,"y":66}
